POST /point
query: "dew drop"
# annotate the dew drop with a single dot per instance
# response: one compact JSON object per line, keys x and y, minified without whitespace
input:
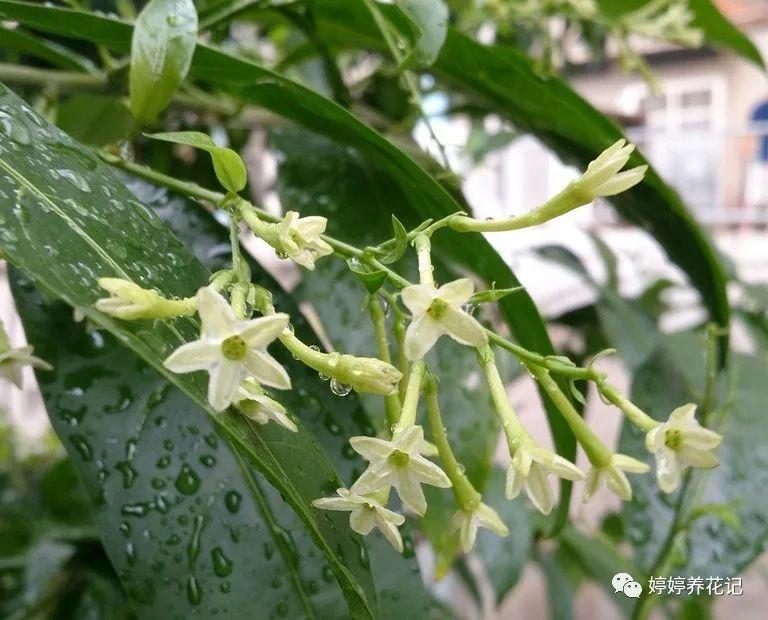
{"x":222,"y":565}
{"x":339,"y":388}
{"x":187,"y":482}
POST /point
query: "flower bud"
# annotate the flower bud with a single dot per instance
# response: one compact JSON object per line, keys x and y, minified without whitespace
{"x":367,"y":374}
{"x":129,"y":302}
{"x":602,"y":177}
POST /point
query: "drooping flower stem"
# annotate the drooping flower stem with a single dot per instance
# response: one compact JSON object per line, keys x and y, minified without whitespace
{"x":513,"y":429}
{"x":597,"y":452}
{"x":411,"y":399}
{"x":392,"y":403}
{"x":467,"y":498}
{"x":563,"y":202}
{"x":634,"y":414}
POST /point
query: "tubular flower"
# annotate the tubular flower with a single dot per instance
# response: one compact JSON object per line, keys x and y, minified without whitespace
{"x":530,"y":468}
{"x":366,"y":513}
{"x":259,"y":407}
{"x":299,"y":239}
{"x":130,"y":302}
{"x":398,"y":463}
{"x":681,"y":442}
{"x":615,"y":478}
{"x":230,"y":349}
{"x":467,"y":523}
{"x":367,"y":374}
{"x":437,"y":312}
{"x":602,"y":177}
{"x":13,"y":360}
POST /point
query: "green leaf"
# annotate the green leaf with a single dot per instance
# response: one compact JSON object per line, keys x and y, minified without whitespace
{"x":163,"y":42}
{"x":560,"y":590}
{"x":372,"y":280}
{"x":504,"y":558}
{"x":399,"y":243}
{"x":71,"y":222}
{"x":674,"y":375}
{"x":94,"y":119}
{"x":600,"y":561}
{"x":429,"y":20}
{"x":494,"y":294}
{"x":229,"y":168}
{"x":423,"y":196}
{"x":17,"y":40}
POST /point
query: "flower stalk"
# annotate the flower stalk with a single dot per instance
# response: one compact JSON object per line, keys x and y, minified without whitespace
{"x":392,"y":404}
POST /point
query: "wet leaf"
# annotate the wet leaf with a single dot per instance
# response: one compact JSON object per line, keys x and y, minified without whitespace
{"x":163,"y":42}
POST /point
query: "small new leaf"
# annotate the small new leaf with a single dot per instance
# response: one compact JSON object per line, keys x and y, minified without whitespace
{"x":493,"y":294}
{"x":372,"y":280}
{"x":229,"y":168}
{"x":400,"y":243}
{"x":164,"y":39}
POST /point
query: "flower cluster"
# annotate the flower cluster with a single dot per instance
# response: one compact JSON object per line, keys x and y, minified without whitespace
{"x":232,"y":348}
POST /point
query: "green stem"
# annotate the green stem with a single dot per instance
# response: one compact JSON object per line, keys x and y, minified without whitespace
{"x":513,"y":429}
{"x":66,"y":80}
{"x":392,"y":405}
{"x":411,"y":400}
{"x":597,"y":452}
{"x":467,"y":498}
{"x":424,"y":254}
{"x":566,"y":200}
{"x":634,"y":414}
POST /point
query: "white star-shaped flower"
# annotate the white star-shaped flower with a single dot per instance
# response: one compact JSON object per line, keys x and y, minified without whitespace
{"x":602,"y":177}
{"x":230,"y":350}
{"x":467,"y":523}
{"x":261,"y":408}
{"x":13,"y":360}
{"x":614,"y":476}
{"x":400,"y":464}
{"x":436,"y":312}
{"x":530,"y":469}
{"x":681,"y":442}
{"x":366,"y":513}
{"x":299,"y":239}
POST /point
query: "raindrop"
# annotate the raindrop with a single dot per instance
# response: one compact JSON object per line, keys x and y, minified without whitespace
{"x":193,"y":549}
{"x":194,"y":593}
{"x":222,"y":565}
{"x":232,"y":501}
{"x":73,"y":177}
{"x":339,"y":388}
{"x":187,"y":482}
{"x":323,"y":377}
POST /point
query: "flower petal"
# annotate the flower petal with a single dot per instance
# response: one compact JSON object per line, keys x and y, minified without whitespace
{"x":563,"y":468}
{"x":698,"y":458}
{"x":371,"y":448}
{"x":683,"y":415}
{"x":667,"y":470}
{"x":258,"y":333}
{"x":409,"y":490}
{"x":428,"y":473}
{"x":421,"y":336}
{"x":217,"y":317}
{"x":701,"y":438}
{"x":621,"y":182}
{"x":391,"y":532}
{"x":409,"y":439}
{"x":335,"y":503}
{"x":627,"y":463}
{"x":362,"y":520}
{"x":374,"y":478}
{"x":491,"y":520}
{"x":538,"y":489}
{"x":267,"y":370}
{"x":463,"y":328}
{"x":592,"y":483}
{"x":514,"y":482}
{"x":616,"y":480}
{"x":457,"y":292}
{"x":468,"y":532}
{"x":224,"y":384}
{"x":417,"y":297}
{"x":196,"y":355}
{"x":311,"y":226}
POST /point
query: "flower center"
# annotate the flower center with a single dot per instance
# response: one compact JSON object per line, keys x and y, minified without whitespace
{"x":437,"y":309}
{"x":398,"y":458}
{"x":234,"y":348}
{"x":673,"y":438}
